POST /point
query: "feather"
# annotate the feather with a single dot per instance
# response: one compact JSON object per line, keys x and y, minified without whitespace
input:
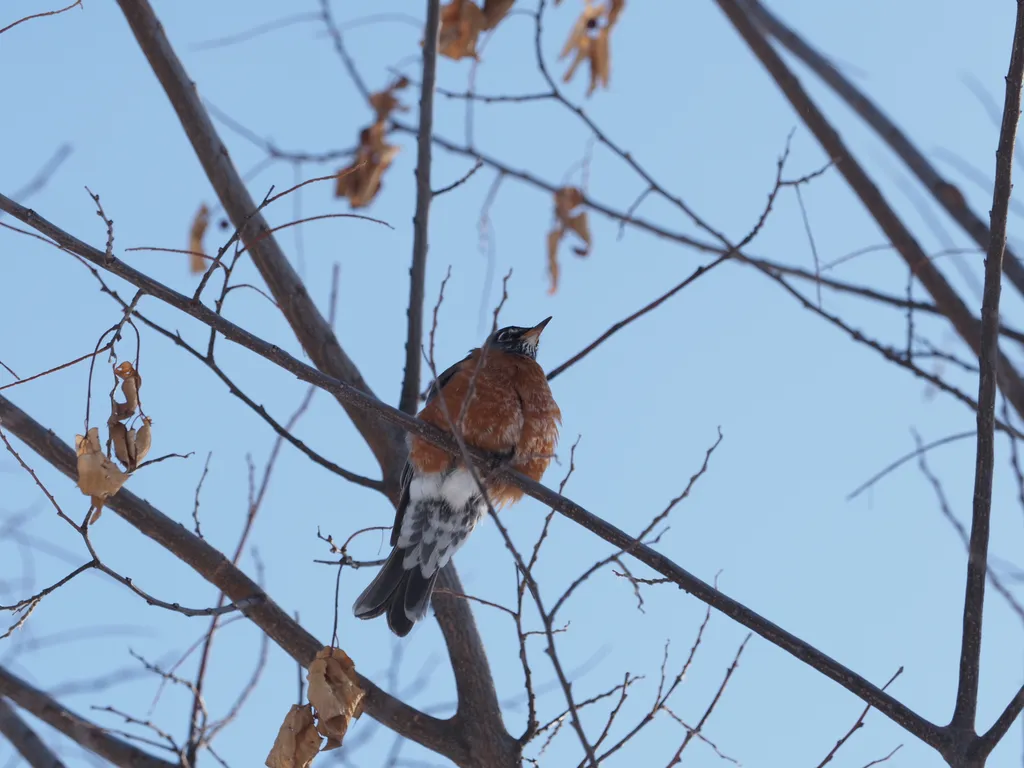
{"x":438,"y":512}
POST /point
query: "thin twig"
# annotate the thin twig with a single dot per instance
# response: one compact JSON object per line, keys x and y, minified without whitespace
{"x":356,"y":399}
{"x":856,"y":725}
{"x":75,"y":4}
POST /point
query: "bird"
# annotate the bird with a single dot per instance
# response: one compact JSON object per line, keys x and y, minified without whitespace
{"x":500,"y":396}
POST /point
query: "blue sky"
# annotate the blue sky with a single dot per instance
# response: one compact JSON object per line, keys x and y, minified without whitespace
{"x":807,"y":415}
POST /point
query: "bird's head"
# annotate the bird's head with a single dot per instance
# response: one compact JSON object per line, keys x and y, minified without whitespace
{"x":518,"y":341}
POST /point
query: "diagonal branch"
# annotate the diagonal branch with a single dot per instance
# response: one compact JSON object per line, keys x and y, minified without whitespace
{"x":945,"y":297}
{"x":883,"y":702}
{"x":989,"y":363}
{"x":314,"y":333}
{"x":310,"y":327}
{"x":437,"y":735}
{"x":944,"y":193}
{"x":25,"y":741}
{"x":987,"y":742}
{"x":418,"y":272}
{"x":78,"y":729}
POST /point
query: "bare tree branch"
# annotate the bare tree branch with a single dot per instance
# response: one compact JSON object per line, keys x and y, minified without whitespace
{"x":83,"y":732}
{"x":853,"y":682}
{"x":987,"y":742}
{"x":13,"y":24}
{"x":964,"y":714}
{"x":439,"y":735}
{"x":25,"y":740}
{"x":944,"y":193}
{"x":310,"y":326}
{"x":946,"y":298}
{"x":409,"y":399}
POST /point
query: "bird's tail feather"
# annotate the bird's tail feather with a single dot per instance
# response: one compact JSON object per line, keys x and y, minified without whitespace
{"x":403,"y":594}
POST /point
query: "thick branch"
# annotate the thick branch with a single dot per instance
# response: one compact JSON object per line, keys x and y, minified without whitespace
{"x":24,"y":740}
{"x":947,"y":299}
{"x":418,"y":272}
{"x":437,"y":735}
{"x":85,"y":733}
{"x":311,"y":328}
{"x":853,"y":682}
{"x":944,"y":193}
{"x":465,"y":643}
{"x":989,"y":364}
{"x":479,"y":711}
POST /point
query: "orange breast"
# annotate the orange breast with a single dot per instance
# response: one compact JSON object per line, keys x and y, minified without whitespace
{"x":539,"y":436}
{"x":491,"y":421}
{"x":511,"y":411}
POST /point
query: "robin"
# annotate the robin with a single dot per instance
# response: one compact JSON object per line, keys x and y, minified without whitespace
{"x":499,"y":397}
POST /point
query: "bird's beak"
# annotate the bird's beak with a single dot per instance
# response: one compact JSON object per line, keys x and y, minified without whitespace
{"x":535,"y":332}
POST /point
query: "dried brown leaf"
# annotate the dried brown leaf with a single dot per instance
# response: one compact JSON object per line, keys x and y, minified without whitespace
{"x":554,"y":238}
{"x":130,"y":445}
{"x":461,"y":24}
{"x":297,"y":741}
{"x":361,"y":181}
{"x":119,"y":437}
{"x":143,"y":441}
{"x":385,"y":102}
{"x":567,"y":199}
{"x":495,"y":11}
{"x":600,"y":61}
{"x":335,"y":694}
{"x":197,"y":262}
{"x":614,"y":9}
{"x":589,"y":39}
{"x":578,"y":35}
{"x":131,"y":383}
{"x":582,"y":54}
{"x":98,"y":477}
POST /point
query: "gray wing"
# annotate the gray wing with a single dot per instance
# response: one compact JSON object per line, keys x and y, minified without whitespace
{"x":435,"y":386}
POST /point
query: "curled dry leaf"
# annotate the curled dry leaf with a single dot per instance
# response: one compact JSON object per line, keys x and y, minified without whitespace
{"x":98,"y":477}
{"x":462,"y":21}
{"x":361,"y":180}
{"x":385,"y":102}
{"x":143,"y":442}
{"x":297,"y":741}
{"x":567,"y":199}
{"x":119,"y":438}
{"x":589,"y":39}
{"x":335,"y":694}
{"x":196,"y":256}
{"x":130,"y":445}
{"x":495,"y":11}
{"x":131,"y":383}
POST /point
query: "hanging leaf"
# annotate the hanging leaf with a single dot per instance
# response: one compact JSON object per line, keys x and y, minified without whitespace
{"x":495,"y":11}
{"x":297,"y":741}
{"x":131,"y":383}
{"x":98,"y":477}
{"x":462,"y":22}
{"x":589,"y":41}
{"x":361,"y":180}
{"x":334,"y":693}
{"x":385,"y":102}
{"x":196,"y":258}
{"x":567,"y":199}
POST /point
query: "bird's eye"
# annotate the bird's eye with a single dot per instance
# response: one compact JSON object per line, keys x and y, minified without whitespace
{"x":504,"y":336}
